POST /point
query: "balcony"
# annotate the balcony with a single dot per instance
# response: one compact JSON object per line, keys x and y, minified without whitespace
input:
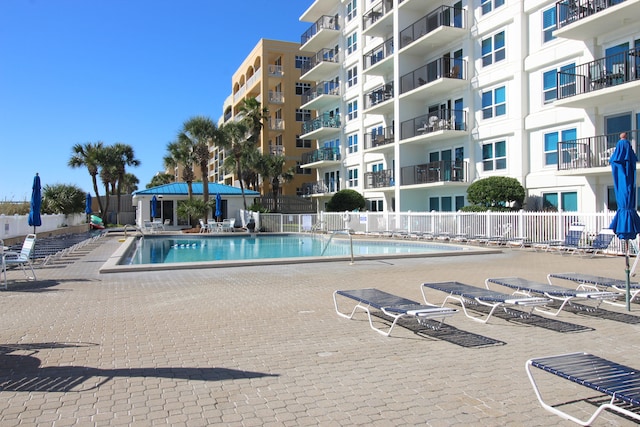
{"x":320,"y":33}
{"x":321,"y":127}
{"x":379,"y":179}
{"x":321,"y":157}
{"x":319,"y":188}
{"x":375,"y":139}
{"x":603,"y":81}
{"x":321,"y":95}
{"x":276,"y":97}
{"x":275,"y":70}
{"x":441,"y":26}
{"x":591,"y":152}
{"x":586,"y":19}
{"x":445,"y":121}
{"x":437,"y":77}
{"x":378,"y":20}
{"x":435,"y":172}
{"x":379,"y":100}
{"x":325,"y":63}
{"x":276,"y":150}
{"x":378,"y":60}
{"x":276,"y":124}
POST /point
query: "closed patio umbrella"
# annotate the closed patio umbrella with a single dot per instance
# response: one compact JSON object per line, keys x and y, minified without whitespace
{"x":154,"y":209}
{"x":626,"y":222}
{"x":36,"y":203}
{"x":218,"y":213}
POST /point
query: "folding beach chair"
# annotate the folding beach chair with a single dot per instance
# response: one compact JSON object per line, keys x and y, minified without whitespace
{"x":571,"y":240}
{"x":22,"y":259}
{"x":392,"y":306}
{"x":599,"y":244}
{"x":557,"y":293}
{"x":598,"y":283}
{"x":473,"y":295}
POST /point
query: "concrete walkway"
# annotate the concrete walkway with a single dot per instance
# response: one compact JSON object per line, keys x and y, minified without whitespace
{"x":255,"y":346}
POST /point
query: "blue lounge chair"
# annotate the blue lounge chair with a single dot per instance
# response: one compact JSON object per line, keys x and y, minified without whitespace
{"x":22,"y":259}
{"x":594,"y":282}
{"x":557,"y":293}
{"x":473,"y":295}
{"x":391,"y":305}
{"x":571,"y":240}
{"x":599,"y":244}
{"x":620,"y":382}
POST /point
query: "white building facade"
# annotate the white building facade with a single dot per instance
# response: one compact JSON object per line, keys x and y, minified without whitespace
{"x":416,"y":99}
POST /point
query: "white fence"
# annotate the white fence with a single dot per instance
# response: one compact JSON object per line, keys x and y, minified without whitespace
{"x":18,"y":225}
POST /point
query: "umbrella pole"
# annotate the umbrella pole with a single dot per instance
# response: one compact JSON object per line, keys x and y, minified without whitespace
{"x":627,"y":271}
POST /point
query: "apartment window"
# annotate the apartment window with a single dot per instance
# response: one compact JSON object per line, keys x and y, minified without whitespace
{"x":352,"y":143}
{"x":548,"y":24}
{"x":352,"y":43}
{"x":376,"y":205}
{"x":494,"y":156}
{"x":301,"y":88}
{"x":302,"y":115}
{"x":566,"y":76}
{"x":352,"y":10}
{"x":302,"y":143}
{"x":459,"y":202}
{"x":278,"y":139}
{"x":494,"y":103}
{"x":301,"y":61}
{"x":352,"y":110}
{"x":551,"y":141}
{"x":493,"y":49}
{"x":565,"y":201}
{"x":302,"y":171}
{"x":353,"y":178}
{"x":489,"y":5}
{"x":352,"y":76}
{"x":434,"y":204}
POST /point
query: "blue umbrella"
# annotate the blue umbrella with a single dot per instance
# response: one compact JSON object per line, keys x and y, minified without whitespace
{"x":36,"y":203}
{"x":218,"y":206}
{"x":87,"y":204}
{"x":626,"y":222}
{"x":154,"y":201}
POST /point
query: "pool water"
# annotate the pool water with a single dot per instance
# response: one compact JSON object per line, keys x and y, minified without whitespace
{"x":180,"y":249}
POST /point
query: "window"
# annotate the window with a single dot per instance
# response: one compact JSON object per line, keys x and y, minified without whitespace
{"x":301,"y":61}
{"x":548,"y":24}
{"x":549,"y":86}
{"x":302,"y":115}
{"x":376,"y":205}
{"x":489,"y":5}
{"x":494,"y":103}
{"x":352,"y":110}
{"x":493,"y":49}
{"x":434,"y":204}
{"x":353,"y":178}
{"x":459,"y":202}
{"x":352,"y":43}
{"x":301,"y":88}
{"x":302,"y":143}
{"x":302,"y":171}
{"x":352,"y":143}
{"x":446,"y":203}
{"x":551,"y":141}
{"x":494,"y":156}
{"x":352,"y":76}
{"x":568,"y":201}
{"x":567,"y":77}
{"x":352,"y":10}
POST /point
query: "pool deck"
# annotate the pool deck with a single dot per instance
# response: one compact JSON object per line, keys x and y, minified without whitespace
{"x":262,"y":345}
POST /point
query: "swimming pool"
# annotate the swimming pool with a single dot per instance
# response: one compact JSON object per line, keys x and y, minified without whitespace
{"x":184,"y":251}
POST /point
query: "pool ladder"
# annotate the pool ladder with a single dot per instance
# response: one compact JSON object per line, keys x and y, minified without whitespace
{"x":343,"y":231}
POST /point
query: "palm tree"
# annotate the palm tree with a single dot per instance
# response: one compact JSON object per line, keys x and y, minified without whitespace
{"x":123,"y":156}
{"x":109,"y":165}
{"x":89,"y":155}
{"x":233,"y":139}
{"x":254,"y":116}
{"x":180,"y":155}
{"x":271,"y":168}
{"x":130,"y":183}
{"x":160,"y":179}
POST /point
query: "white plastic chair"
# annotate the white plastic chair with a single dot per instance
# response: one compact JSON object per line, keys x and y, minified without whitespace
{"x":22,"y":258}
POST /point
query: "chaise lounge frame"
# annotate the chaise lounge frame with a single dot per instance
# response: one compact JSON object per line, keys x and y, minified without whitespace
{"x":594,"y":282}
{"x":473,"y":295}
{"x":557,"y":293}
{"x":392,"y":306}
{"x":620,"y":382}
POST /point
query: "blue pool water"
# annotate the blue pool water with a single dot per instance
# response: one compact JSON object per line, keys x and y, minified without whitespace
{"x":180,"y":249}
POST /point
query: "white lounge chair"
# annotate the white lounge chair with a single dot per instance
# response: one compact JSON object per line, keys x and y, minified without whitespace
{"x":21,"y":259}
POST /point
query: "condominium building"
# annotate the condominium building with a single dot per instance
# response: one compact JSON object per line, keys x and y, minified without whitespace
{"x":414,"y":100}
{"x":271,"y":74}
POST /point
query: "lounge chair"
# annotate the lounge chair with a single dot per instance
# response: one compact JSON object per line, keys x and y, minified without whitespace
{"x":3,"y":267}
{"x":571,"y":240}
{"x":391,"y":305}
{"x":557,"y":293}
{"x":228,"y":224}
{"x":599,"y":244}
{"x":21,"y":259}
{"x":473,"y":295}
{"x":620,"y":382}
{"x":594,"y":282}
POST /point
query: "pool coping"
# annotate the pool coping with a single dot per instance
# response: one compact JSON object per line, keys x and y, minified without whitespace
{"x":112,"y":266}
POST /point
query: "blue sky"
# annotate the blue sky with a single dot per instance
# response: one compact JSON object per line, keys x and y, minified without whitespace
{"x":131,"y":71}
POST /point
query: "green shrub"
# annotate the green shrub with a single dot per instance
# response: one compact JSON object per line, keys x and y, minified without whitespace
{"x":346,"y":200}
{"x":496,"y":193}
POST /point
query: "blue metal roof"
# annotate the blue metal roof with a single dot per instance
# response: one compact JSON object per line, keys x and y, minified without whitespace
{"x":180,"y":188}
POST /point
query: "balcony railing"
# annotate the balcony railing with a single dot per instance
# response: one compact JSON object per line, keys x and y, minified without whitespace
{"x":570,"y":11}
{"x":452,"y":68}
{"x":379,"y":179}
{"x":325,"y":22}
{"x":275,"y":70}
{"x":378,"y":53}
{"x":320,"y":155}
{"x":375,"y":139}
{"x":276,"y":97}
{"x":444,"y":119}
{"x":324,"y":55}
{"x":322,"y":88}
{"x":444,"y":16}
{"x":324,"y":121}
{"x":276,"y":124}
{"x":276,"y":150}
{"x":376,"y":12}
{"x":320,"y":187}
{"x":612,"y":70}
{"x":590,"y":152}
{"x":380,"y":94}
{"x":442,"y":171}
